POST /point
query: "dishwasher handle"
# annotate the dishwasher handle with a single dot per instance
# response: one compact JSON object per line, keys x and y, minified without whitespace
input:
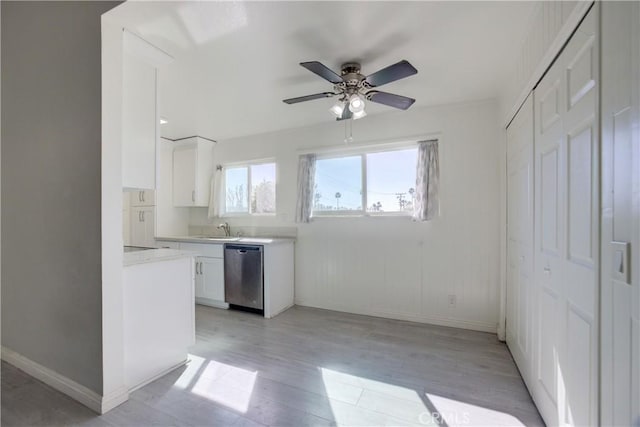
{"x":243,"y":249}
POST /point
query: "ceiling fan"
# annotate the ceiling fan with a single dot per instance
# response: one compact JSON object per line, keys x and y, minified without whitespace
{"x":353,"y":88}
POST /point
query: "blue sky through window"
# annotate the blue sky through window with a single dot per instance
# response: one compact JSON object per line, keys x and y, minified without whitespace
{"x":390,"y":175}
{"x":341,"y":176}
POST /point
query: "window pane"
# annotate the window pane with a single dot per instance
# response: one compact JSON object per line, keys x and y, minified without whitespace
{"x":236,"y":190}
{"x":263,"y":188}
{"x":338,"y":184}
{"x":391,"y":180}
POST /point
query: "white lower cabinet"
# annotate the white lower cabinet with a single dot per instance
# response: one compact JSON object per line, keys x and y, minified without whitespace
{"x":209,"y":273}
{"x":210,"y":281}
{"x":278,"y":273}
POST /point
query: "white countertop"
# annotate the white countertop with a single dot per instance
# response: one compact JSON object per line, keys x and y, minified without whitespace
{"x":222,"y":240}
{"x":155,"y":255}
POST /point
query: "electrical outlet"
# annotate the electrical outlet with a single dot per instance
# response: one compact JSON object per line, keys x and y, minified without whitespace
{"x":452,"y":300}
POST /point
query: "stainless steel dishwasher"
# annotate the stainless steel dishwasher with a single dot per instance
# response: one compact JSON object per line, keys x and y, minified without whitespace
{"x":244,"y":277}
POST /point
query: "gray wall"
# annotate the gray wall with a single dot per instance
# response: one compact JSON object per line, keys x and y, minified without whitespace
{"x":51,"y":144}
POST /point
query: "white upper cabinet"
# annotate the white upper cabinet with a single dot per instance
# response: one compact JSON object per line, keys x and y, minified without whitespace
{"x":140,"y":121}
{"x":192,"y":172}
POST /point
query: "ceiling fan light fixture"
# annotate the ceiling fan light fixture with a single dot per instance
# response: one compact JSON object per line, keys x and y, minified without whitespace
{"x":359,"y":115}
{"x":337,"y":109}
{"x":356,"y":103}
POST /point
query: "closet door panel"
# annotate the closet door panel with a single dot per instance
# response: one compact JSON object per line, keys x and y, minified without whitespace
{"x":582,"y":225}
{"x":580,"y":363}
{"x":520,"y":237}
{"x":567,"y":218}
{"x":549,"y":200}
{"x":549,"y":243}
{"x":580,"y":196}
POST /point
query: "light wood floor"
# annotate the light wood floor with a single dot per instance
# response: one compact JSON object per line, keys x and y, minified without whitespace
{"x":307,"y":367}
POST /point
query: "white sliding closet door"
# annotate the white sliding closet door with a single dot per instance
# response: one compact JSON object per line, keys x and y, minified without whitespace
{"x":520,"y":236}
{"x":565,"y":377}
{"x":620,"y":373}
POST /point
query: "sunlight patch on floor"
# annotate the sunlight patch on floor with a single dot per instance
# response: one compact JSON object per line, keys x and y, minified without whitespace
{"x":457,"y":413}
{"x":193,"y":366}
{"x":233,"y":388}
{"x":382,"y":403}
{"x":218,"y":382}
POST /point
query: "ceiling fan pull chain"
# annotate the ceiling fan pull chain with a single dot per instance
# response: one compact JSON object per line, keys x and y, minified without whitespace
{"x":348,"y":138}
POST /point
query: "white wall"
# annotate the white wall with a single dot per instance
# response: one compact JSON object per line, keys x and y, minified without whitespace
{"x":394,"y":267}
{"x":51,"y":258}
{"x":549,"y":28}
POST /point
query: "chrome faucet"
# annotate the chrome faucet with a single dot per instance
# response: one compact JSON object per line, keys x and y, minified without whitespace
{"x":226,"y":228}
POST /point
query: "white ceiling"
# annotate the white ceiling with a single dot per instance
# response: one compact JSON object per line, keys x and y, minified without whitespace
{"x":236,"y":61}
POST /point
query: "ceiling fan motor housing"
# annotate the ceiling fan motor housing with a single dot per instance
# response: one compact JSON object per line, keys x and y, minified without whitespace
{"x":352,"y":79}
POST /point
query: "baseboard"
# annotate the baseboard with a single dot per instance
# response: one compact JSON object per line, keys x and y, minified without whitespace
{"x":211,"y":303}
{"x":78,"y":392}
{"x":155,"y":377}
{"x":274,"y":314}
{"x":431,"y":320}
{"x":114,"y":399}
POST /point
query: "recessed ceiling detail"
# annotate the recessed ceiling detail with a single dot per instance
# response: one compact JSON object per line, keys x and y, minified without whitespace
{"x":235,"y":61}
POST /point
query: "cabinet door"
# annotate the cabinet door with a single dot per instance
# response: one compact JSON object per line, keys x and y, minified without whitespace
{"x":143,"y":198}
{"x":149,"y":221}
{"x":184,"y":176}
{"x":212,"y":273}
{"x":126,"y":219}
{"x":199,"y":286}
{"x":137,"y":229}
{"x":142,"y":225}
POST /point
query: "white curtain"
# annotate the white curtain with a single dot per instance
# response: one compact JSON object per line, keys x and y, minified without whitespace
{"x":306,"y":176}
{"x":216,"y":202}
{"x":427,"y":204}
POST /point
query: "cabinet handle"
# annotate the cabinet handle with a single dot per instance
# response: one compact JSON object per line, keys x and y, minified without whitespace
{"x":142,"y":196}
{"x":199,"y":266}
{"x":193,"y":196}
{"x":140,"y":216}
{"x":139,"y":196}
{"x":547,"y":270}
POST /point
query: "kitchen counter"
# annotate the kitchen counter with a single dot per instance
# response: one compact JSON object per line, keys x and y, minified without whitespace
{"x":155,"y":255}
{"x":222,"y":240}
{"x":278,"y":268}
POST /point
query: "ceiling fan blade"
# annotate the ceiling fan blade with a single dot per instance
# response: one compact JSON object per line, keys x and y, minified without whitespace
{"x":396,"y":101}
{"x":346,"y":114}
{"x":323,"y":71}
{"x":308,"y":97}
{"x":394,"y":72}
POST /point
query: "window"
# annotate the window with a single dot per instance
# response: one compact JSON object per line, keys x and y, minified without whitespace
{"x":381,"y":181}
{"x":338,"y":184}
{"x":250,"y":189}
